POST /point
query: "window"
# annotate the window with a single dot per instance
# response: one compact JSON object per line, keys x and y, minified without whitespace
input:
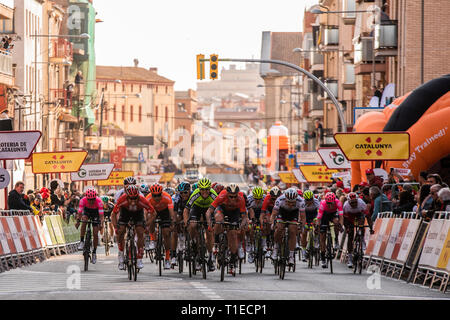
{"x":131,"y":113}
{"x":156,"y":89}
{"x":167,"y":89}
{"x":181,"y":107}
{"x":96,"y":115}
{"x":140,"y":113}
{"x":123,"y":88}
{"x":115,"y":87}
{"x":114,"y":113}
{"x":97,"y":85}
{"x":123,"y":113}
{"x":132,"y":88}
{"x":140,"y":88}
{"x":156,"y":113}
{"x":167,"y":114}
{"x":105,"y":110}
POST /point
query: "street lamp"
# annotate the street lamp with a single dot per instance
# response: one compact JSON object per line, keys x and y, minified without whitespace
{"x":318,"y":11}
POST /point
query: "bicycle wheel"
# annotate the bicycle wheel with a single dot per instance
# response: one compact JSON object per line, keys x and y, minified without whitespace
{"x":330,"y":250}
{"x":222,"y":256}
{"x":133,"y":260}
{"x":160,"y":252}
{"x":310,"y":249}
{"x":285,"y":256}
{"x":188,"y":255}
{"x":87,"y":249}
{"x":202,"y":251}
{"x":106,"y":238}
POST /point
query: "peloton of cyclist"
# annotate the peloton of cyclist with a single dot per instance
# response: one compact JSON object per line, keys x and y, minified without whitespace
{"x":311,"y":207}
{"x":180,"y":200}
{"x":254,"y":207}
{"x":266,"y":212}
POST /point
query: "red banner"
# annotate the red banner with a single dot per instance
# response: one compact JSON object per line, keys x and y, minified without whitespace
{"x":116,"y":158}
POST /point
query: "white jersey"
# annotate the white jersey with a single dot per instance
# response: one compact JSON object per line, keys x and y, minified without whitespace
{"x":360,"y":208}
{"x":281,"y":204}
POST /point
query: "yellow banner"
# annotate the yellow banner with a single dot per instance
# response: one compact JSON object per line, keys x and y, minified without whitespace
{"x":374,"y":146}
{"x":317,"y":173}
{"x":167,"y":177}
{"x":445,"y":253}
{"x":58,"y":162}
{"x":116,"y":178}
{"x":288,"y":177}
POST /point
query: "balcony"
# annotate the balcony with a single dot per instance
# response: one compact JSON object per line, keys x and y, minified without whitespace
{"x":6,"y":70}
{"x":60,"y":96}
{"x":315,"y":107}
{"x":386,"y":38}
{"x":316,"y":59}
{"x":61,"y":51}
{"x":331,"y":36}
{"x":332,"y":85}
{"x":349,"y":18}
{"x":364,"y":52}
{"x":349,"y":76}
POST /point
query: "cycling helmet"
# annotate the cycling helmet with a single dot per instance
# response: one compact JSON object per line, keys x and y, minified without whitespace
{"x":156,"y":189}
{"x":194,"y":186}
{"x":300,"y":192}
{"x":184,"y":186}
{"x":204,"y":183}
{"x":169,"y":191}
{"x":258,"y":193}
{"x":144,"y":188}
{"x":275,"y":192}
{"x":233,"y":188}
{"x":105,"y":199}
{"x":218,"y":188}
{"x":213,"y":185}
{"x":308,"y":195}
{"x":291,"y":194}
{"x":330,"y":197}
{"x":132,"y":191}
{"x":129,"y":180}
{"x":352,"y":196}
{"x":91,"y":193}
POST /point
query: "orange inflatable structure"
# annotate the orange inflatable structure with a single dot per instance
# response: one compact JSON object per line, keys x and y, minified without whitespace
{"x":425,"y":114}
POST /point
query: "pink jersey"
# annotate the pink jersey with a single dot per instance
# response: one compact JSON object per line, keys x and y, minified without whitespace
{"x":336,"y":207}
{"x":97,"y":204}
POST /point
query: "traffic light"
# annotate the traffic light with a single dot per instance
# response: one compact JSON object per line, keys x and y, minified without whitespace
{"x":214,"y":67}
{"x":200,"y":67}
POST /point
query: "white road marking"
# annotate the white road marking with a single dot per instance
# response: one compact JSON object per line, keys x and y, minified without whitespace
{"x":209,"y":293}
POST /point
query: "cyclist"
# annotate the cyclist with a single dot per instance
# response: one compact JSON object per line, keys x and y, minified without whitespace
{"x":194,"y":187}
{"x":107,"y":209}
{"x":218,"y":188}
{"x":231,"y":204}
{"x":290,"y":207}
{"x":330,"y":209}
{"x":179,"y":203}
{"x":266,"y":212}
{"x":311,"y":208}
{"x":131,"y":206}
{"x":90,"y":207}
{"x":170,"y":191}
{"x":354,"y":209}
{"x":144,"y":189}
{"x":163,"y":204}
{"x":195,"y":211}
{"x":254,"y":206}
{"x":126,"y":182}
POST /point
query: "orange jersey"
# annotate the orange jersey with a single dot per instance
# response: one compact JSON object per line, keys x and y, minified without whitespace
{"x":165,"y":202}
{"x":223,"y":200}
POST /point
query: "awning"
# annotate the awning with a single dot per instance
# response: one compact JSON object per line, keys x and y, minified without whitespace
{"x":65,"y":117}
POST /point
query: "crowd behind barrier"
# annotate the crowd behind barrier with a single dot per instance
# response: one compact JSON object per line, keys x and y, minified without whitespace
{"x":410,"y":248}
{"x":25,"y":239}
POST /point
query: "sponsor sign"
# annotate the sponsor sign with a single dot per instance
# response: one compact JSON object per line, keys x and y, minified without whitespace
{"x":122,"y":150}
{"x":287,"y":177}
{"x":58,"y":162}
{"x":150,"y":179}
{"x":317,"y":173}
{"x":299,"y":176}
{"x":4,"y":178}
{"x":18,"y":144}
{"x":167,"y":177}
{"x":334,"y":158}
{"x":374,"y":146}
{"x":308,"y":158}
{"x":403,"y":172}
{"x":116,"y":178}
{"x":93,"y":172}
{"x":116,"y":158}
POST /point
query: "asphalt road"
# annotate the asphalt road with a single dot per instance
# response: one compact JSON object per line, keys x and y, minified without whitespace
{"x":62,"y":278}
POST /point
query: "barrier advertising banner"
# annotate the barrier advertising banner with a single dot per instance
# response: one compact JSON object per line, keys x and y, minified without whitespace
{"x":393,"y":238}
{"x":408,"y":240}
{"x":58,"y":162}
{"x":444,"y":258}
{"x":374,"y":146}
{"x":400,"y":237}
{"x":116,"y":178}
{"x":93,"y":172}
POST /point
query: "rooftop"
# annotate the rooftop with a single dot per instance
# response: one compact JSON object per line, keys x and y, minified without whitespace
{"x":130,"y":74}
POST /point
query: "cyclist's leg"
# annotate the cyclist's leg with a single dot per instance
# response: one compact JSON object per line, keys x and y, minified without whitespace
{"x":218,"y":217}
{"x":350,"y":230}
{"x":193,"y":219}
{"x":292,"y":236}
{"x":84,"y":220}
{"x":123,"y":221}
{"x":336,"y":228}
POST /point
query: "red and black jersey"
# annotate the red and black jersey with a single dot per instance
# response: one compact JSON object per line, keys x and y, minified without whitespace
{"x":126,"y":203}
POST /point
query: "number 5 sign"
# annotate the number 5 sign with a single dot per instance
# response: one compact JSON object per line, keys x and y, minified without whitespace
{"x":4,"y":178}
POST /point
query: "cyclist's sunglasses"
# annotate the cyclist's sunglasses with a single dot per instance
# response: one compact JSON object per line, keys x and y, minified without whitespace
{"x":133,"y":198}
{"x":205,"y":189}
{"x":232,"y":196}
{"x":184,"y":192}
{"x":156,"y":195}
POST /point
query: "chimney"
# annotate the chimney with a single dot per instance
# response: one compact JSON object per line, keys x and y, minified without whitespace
{"x":155,"y":70}
{"x":136,"y":63}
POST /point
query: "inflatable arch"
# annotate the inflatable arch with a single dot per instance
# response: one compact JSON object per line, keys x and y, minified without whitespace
{"x":425,"y":114}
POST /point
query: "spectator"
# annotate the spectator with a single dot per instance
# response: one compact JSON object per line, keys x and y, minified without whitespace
{"x":57,"y":199}
{"x":380,"y":202}
{"x":432,"y":203}
{"x":424,"y":192}
{"x":433,"y":179}
{"x":319,"y":132}
{"x":36,"y":206}
{"x":444,"y":196}
{"x":373,"y":181}
{"x":423,"y":178}
{"x":16,"y":199}
{"x":79,"y":78}
{"x":405,"y":204}
{"x":4,"y":115}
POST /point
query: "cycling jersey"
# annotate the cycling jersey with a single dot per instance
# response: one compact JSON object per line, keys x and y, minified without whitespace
{"x":108,"y":210}
{"x":94,"y":206}
{"x":125,"y":203}
{"x":227,"y":204}
{"x":179,"y":204}
{"x":337,"y":208}
{"x":197,"y":200}
{"x":164,"y":203}
{"x":251,"y":203}
{"x":352,"y":213}
{"x":120,"y":193}
{"x":311,"y":210}
{"x":268,"y":204}
{"x":286,"y":212}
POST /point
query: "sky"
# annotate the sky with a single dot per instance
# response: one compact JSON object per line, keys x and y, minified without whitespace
{"x":168,"y":34}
